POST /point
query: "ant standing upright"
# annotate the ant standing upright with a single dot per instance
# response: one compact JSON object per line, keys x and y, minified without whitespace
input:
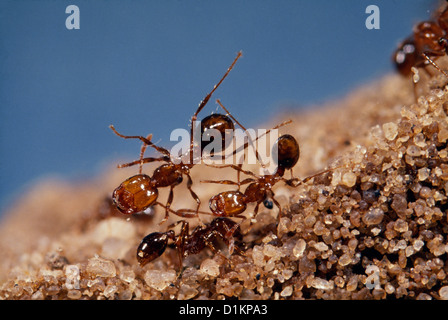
{"x":140,"y":191}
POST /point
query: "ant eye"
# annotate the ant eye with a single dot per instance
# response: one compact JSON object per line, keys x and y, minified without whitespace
{"x":268,"y":204}
{"x":152,"y":247}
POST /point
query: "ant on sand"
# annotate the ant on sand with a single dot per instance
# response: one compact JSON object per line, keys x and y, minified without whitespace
{"x":260,"y":189}
{"x":186,"y":243}
{"x":140,"y":191}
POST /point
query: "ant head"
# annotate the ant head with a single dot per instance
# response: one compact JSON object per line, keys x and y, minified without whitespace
{"x":286,"y":151}
{"x":405,"y":57}
{"x":213,"y":124}
{"x":135,"y":194}
{"x":153,"y":246}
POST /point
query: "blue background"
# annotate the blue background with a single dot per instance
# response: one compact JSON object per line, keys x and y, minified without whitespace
{"x":145,"y":65}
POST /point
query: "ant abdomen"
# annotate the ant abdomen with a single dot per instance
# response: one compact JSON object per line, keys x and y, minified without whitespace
{"x":228,"y":203}
{"x":286,"y":151}
{"x":224,"y":126}
{"x":405,"y":57}
{"x":153,"y":246}
{"x":135,"y":194}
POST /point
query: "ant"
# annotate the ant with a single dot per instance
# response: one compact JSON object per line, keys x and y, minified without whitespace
{"x":427,"y":42}
{"x":154,"y":244}
{"x":140,"y":191}
{"x":259,"y":190}
{"x":234,"y":203}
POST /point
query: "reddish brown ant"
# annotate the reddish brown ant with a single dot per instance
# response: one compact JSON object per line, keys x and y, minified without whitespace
{"x":139,"y":192}
{"x":154,"y":244}
{"x":259,"y":190}
{"x":427,"y":43}
{"x":234,"y":203}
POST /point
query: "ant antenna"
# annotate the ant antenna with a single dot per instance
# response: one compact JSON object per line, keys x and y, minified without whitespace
{"x":244,"y":128}
{"x":435,"y":65}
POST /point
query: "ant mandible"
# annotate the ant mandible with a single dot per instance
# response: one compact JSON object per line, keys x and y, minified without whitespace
{"x":427,"y":42}
{"x":154,"y":244}
{"x":140,"y":191}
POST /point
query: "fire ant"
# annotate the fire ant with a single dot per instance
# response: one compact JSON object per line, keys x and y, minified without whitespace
{"x":140,"y":191}
{"x":427,"y":42}
{"x":234,"y":203}
{"x":154,"y":244}
{"x":259,"y":190}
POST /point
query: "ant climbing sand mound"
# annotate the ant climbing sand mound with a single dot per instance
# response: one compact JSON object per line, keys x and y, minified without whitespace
{"x":260,"y":188}
{"x":141,"y":191}
{"x":154,"y":244}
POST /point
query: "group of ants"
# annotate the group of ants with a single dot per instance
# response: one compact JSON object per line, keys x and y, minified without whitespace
{"x":140,"y":192}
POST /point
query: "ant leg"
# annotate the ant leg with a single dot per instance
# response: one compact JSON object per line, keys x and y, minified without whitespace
{"x":142,"y":153}
{"x":184,"y":213}
{"x":284,"y":123}
{"x":278,"y":206}
{"x":230,"y":239}
{"x":212,"y":247}
{"x":142,"y":161}
{"x":255,"y":211}
{"x":195,"y":197}
{"x":435,"y":65}
{"x":189,"y":213}
{"x":143,"y":139}
{"x":236,"y":167}
{"x":174,"y":224}
{"x":229,"y":182}
{"x":168,"y":205}
{"x":295,"y":182}
{"x":230,"y":115}
{"x":221,"y":182}
{"x":180,"y":242}
{"x":238,"y":172}
{"x":292,"y":175}
{"x":245,"y":130}
{"x":204,"y":102}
